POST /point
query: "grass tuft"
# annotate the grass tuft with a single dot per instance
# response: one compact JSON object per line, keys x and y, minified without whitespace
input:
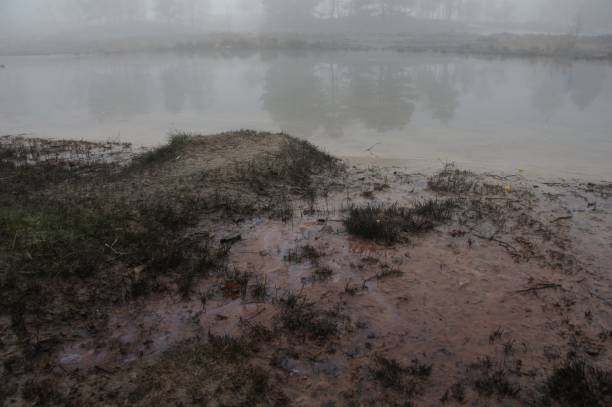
{"x":299,"y":254}
{"x":300,"y":316}
{"x":323,"y":274}
{"x":260,"y":289}
{"x":227,"y":347}
{"x":407,"y":380}
{"x":493,"y":379}
{"x":452,"y":180}
{"x":577,"y":384}
{"x":388,"y":224}
{"x":170,"y":151}
{"x":236,"y":283}
{"x":298,"y":164}
{"x":496,"y":383}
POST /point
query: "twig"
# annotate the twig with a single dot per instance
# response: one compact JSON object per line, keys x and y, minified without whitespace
{"x":505,"y":245}
{"x":605,"y":300}
{"x":561,"y":218}
{"x":543,"y":286}
{"x":258,"y":313}
{"x":103,"y":370}
{"x":499,"y":177}
{"x":372,"y":147}
{"x":113,"y":249}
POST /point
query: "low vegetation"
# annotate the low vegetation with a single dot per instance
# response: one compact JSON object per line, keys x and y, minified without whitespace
{"x":407,"y":380}
{"x":228,"y":348}
{"x":452,"y":180}
{"x":167,"y":152}
{"x":578,"y":384}
{"x":220,"y":370}
{"x":302,"y":253}
{"x":323,"y":274}
{"x":55,"y":241}
{"x":391,"y":224}
{"x":492,"y":378}
{"x":43,"y":242}
{"x":60,"y":234}
{"x":297,"y":164}
{"x":300,"y":317}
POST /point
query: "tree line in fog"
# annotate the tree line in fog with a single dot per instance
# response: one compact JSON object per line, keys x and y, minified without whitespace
{"x":307,"y":15}
{"x":597,"y":12}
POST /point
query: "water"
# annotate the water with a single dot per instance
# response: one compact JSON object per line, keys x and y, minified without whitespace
{"x":542,"y":116}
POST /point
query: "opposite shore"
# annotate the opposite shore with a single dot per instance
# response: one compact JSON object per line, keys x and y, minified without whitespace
{"x":494,"y":45}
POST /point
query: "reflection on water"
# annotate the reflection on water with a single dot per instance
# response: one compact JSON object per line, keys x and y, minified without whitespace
{"x":512,"y":113}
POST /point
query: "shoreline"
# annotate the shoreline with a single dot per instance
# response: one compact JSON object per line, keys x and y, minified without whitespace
{"x":592,"y":48}
{"x":126,"y":150}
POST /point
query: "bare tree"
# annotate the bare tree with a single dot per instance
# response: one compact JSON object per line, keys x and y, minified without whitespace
{"x":289,"y":12}
{"x":170,"y":11}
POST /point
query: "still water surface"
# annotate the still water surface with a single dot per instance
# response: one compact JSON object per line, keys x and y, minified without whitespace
{"x":543,"y":116}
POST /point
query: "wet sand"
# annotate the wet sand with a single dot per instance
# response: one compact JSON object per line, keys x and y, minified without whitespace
{"x":514,"y":286}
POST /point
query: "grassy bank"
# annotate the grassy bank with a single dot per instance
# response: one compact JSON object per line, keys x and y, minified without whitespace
{"x":103,"y":230}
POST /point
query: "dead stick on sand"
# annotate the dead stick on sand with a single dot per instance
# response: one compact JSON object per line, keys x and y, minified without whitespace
{"x":605,"y":300}
{"x":503,"y":244}
{"x":539,"y":287}
{"x":372,"y":147}
{"x":561,"y":218}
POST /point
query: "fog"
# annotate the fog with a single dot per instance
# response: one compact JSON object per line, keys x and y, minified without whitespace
{"x":341,"y":73}
{"x":25,"y":17}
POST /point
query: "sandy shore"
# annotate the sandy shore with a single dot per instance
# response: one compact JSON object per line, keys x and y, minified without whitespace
{"x":496,"y":304}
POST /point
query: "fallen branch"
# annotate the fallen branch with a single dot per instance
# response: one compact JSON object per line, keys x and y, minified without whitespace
{"x":561,"y":218}
{"x":599,"y":297}
{"x":503,"y":244}
{"x":103,"y":370}
{"x":371,"y":148}
{"x":543,"y":286}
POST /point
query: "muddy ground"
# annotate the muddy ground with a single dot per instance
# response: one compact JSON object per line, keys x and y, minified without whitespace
{"x":497,"y":293}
